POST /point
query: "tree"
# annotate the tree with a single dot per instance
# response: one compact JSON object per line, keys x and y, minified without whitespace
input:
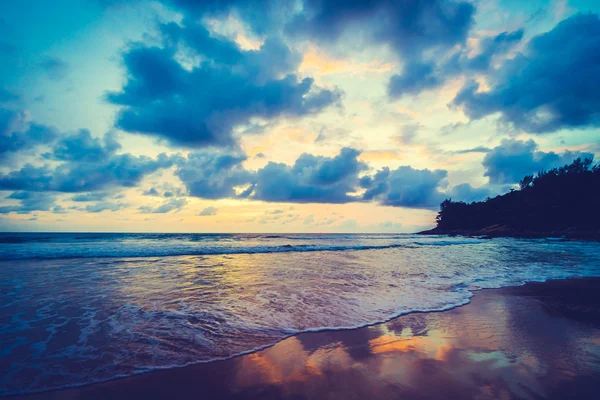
{"x":526,"y":181}
{"x":554,"y":200}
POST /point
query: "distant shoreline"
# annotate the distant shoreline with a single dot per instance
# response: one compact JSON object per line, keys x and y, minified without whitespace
{"x":495,"y":231}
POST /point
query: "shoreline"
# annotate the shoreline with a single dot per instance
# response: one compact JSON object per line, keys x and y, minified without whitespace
{"x":498,"y":231}
{"x":182,"y":380}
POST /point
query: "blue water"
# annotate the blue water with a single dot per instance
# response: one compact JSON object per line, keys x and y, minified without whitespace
{"x":80,"y":308}
{"x":16,"y":246}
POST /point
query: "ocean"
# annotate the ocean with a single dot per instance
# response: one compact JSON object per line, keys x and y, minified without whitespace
{"x":77,"y":308}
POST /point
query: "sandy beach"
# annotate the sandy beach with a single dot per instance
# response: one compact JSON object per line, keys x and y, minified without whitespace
{"x":537,"y":341}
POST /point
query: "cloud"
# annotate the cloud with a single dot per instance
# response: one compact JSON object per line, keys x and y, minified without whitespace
{"x":261,"y":15}
{"x":82,"y":147}
{"x":419,"y":75}
{"x":168,"y":206}
{"x":151,"y":192}
{"x":467,"y":193}
{"x":410,"y":29}
{"x":548,"y":87}
{"x":54,"y":68}
{"x":405,"y":187}
{"x":29,"y":201}
{"x":513,"y":159}
{"x":104,"y":206}
{"x":407,"y":27}
{"x":17,"y":133}
{"x":312,"y":179}
{"x":92,"y":196}
{"x":478,"y":149}
{"x":201,"y":105}
{"x":86,"y":164}
{"x":489,"y":47}
{"x":416,"y":77}
{"x":213,"y":175}
{"x":208,"y":211}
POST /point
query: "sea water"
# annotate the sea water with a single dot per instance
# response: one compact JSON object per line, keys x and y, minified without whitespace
{"x":81,"y":308}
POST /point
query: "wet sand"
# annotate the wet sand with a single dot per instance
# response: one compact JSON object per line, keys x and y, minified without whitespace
{"x":538,"y":341}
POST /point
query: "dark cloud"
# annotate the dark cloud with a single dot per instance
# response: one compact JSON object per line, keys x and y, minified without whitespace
{"x":405,"y":187}
{"x":123,"y":170}
{"x":166,"y":207}
{"x":87,"y":164}
{"x":82,"y":147}
{"x":416,"y":77}
{"x":169,"y":191}
{"x":263,"y":16}
{"x":419,"y":75}
{"x":408,"y":27}
{"x":213,"y":175}
{"x":549,"y":86}
{"x":29,"y":201}
{"x":151,"y":192}
{"x":203,"y":105}
{"x":513,"y":159}
{"x":18,"y":134}
{"x":489,"y":47}
{"x":92,"y":196}
{"x":104,"y":206}
{"x":312,"y":179}
{"x":59,"y":210}
{"x":54,"y":68}
{"x":478,"y":149}
{"x":412,"y":188}
{"x":208,"y":211}
{"x":411,"y":29}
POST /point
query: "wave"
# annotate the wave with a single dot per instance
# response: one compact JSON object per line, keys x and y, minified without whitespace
{"x":205,"y":251}
{"x":132,"y":250}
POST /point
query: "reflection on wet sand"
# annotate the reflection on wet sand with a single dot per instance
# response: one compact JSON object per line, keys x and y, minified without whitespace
{"x":531,"y":342}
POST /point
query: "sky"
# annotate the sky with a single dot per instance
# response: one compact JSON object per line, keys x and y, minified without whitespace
{"x":285,"y":116}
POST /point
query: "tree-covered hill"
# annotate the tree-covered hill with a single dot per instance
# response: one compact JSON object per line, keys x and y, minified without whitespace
{"x":563,"y":201}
